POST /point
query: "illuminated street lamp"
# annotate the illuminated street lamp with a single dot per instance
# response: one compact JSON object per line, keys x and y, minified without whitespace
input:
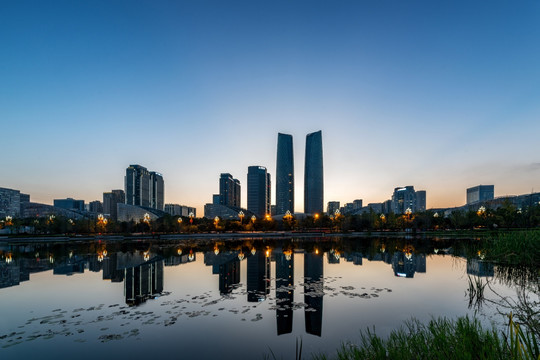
{"x":241,"y":216}
{"x":216,"y":221}
{"x":146,"y":218}
{"x":408,"y":212}
{"x":436,"y":215}
{"x":383,"y":218}
{"x":288,"y":216}
{"x":253,"y":218}
{"x":191,"y":216}
{"x":481,"y":211}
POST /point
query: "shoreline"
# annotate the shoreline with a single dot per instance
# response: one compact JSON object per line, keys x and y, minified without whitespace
{"x":239,"y":235}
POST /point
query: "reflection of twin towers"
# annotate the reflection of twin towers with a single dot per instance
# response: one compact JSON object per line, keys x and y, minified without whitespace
{"x":258,"y":286}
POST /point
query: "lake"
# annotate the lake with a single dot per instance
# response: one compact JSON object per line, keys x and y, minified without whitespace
{"x":232,"y":299}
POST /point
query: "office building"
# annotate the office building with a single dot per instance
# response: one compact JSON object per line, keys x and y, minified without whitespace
{"x":313,"y":175}
{"x":480,"y":194}
{"x":285,"y":175}
{"x":229,"y":190}
{"x":144,"y":188}
{"x":257,"y":191}
{"x":215,"y":199}
{"x":110,"y":201}
{"x":95,"y":206}
{"x":70,"y":204}
{"x":10,"y":203}
{"x":357,"y":204}
{"x":332,"y":207}
{"x":180,"y":210}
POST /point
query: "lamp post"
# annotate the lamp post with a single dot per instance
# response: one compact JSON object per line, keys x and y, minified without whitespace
{"x":216,"y":222}
{"x":191,"y":216}
{"x":241,"y":216}
{"x":179,"y":224}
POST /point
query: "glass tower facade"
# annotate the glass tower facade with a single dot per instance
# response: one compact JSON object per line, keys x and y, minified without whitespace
{"x":285,"y":175}
{"x":257,"y":190}
{"x":313,"y":175}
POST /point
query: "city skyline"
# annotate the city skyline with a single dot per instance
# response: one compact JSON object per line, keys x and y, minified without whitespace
{"x":439,"y":96}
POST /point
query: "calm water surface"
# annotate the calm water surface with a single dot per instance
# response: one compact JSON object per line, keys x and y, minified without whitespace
{"x":229,"y":299}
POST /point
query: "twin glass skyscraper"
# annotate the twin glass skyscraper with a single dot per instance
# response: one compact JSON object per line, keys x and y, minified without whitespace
{"x":313,"y":175}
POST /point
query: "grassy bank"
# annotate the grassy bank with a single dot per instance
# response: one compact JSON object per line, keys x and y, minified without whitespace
{"x":515,"y":248}
{"x":441,"y":338}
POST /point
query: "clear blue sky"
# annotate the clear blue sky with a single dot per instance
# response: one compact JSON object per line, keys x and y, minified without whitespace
{"x":439,"y":95}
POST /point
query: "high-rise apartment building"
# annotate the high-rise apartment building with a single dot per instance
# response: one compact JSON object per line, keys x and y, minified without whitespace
{"x":313,"y":175}
{"x":257,"y":191}
{"x":229,"y":190}
{"x":284,"y":174}
{"x":144,"y":188}
{"x":480,"y":193}
{"x":403,"y":198}
{"x":421,"y":200}
{"x":268,"y":193}
{"x":110,"y":201}
{"x":10,"y":202}
{"x":158,"y":191}
{"x":407,"y":198}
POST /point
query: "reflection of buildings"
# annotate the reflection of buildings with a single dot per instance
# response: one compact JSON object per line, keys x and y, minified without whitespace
{"x":479,"y":268}
{"x":258,"y":277}
{"x":19,"y":270}
{"x":227,"y":266}
{"x":405,"y":264}
{"x":72,"y":266}
{"x":354,"y":257}
{"x":284,"y":292}
{"x":110,"y":269}
{"x":143,"y":282}
{"x":313,"y":290}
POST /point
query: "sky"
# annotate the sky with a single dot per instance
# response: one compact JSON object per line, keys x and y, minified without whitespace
{"x":438,"y":95}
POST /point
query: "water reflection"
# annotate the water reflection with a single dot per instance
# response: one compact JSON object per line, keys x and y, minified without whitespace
{"x":141,"y":265}
{"x":284,"y":290}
